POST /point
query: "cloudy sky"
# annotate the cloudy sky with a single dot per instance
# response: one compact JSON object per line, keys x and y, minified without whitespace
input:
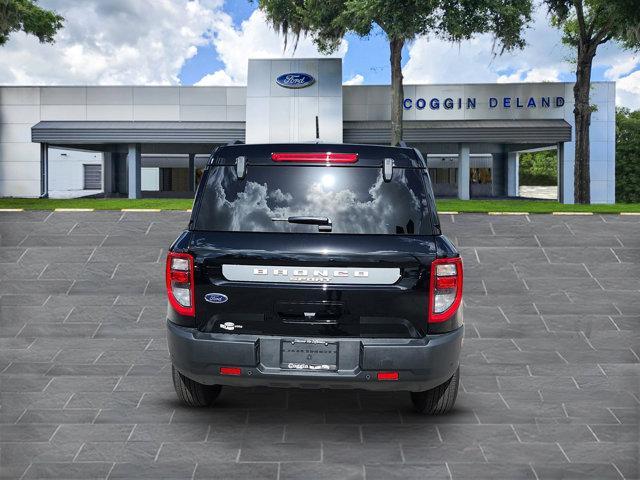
{"x":208,"y":42}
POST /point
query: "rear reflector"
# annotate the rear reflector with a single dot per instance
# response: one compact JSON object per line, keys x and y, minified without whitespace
{"x":180,"y":277}
{"x":443,"y":283}
{"x":315,"y":157}
{"x":387,"y":375}
{"x":445,"y":289}
{"x":230,"y":371}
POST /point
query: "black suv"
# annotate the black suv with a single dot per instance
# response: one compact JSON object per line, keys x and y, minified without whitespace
{"x":315,"y":266}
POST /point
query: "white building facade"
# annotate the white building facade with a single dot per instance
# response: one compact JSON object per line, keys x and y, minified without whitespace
{"x":154,"y":141}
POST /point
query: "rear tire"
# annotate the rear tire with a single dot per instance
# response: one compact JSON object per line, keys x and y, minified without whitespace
{"x":439,"y":400}
{"x":192,"y":393}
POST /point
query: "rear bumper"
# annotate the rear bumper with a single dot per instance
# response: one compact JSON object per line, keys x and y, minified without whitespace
{"x":421,"y":363}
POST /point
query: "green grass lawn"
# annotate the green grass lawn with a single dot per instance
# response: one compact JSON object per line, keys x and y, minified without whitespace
{"x":531,"y":206}
{"x":444,"y":205}
{"x":96,"y":203}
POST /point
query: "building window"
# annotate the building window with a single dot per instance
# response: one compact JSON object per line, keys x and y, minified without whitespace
{"x":440,"y":176}
{"x":92,"y":177}
{"x":174,"y":179}
{"x":480,"y":175}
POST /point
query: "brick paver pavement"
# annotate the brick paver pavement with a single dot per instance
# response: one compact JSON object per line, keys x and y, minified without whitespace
{"x":549,"y":368}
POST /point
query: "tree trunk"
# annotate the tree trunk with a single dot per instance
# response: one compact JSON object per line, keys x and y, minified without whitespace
{"x":582,"y":115}
{"x":397,"y":95}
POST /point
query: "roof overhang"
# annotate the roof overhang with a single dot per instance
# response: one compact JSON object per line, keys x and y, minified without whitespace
{"x":424,"y":131}
{"x":454,"y":131}
{"x":79,"y":133}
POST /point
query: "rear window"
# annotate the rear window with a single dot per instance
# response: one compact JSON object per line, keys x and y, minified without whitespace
{"x":355,"y":199}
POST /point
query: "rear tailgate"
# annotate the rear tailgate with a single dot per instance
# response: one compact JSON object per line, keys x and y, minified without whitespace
{"x":312,"y":285}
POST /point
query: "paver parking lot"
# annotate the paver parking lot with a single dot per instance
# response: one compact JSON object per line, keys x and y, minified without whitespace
{"x":549,"y":368}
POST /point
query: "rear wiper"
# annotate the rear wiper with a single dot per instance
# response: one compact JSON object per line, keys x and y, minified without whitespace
{"x":324,"y":223}
{"x":305,"y":220}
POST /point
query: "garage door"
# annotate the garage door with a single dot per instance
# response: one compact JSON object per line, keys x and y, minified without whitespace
{"x":92,"y":177}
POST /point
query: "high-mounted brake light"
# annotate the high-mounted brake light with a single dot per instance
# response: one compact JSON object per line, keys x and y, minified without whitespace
{"x":179,"y":276}
{"x":315,"y":157}
{"x":445,"y":289}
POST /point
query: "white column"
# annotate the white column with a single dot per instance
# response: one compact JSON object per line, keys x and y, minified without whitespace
{"x":463,"y":171}
{"x":563,"y":195}
{"x":513,"y":166}
{"x":133,"y":170}
{"x":107,"y":173}
{"x":44,"y":170}
{"x":192,"y":172}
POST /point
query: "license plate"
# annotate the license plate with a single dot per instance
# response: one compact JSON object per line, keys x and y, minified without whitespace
{"x":309,"y":355}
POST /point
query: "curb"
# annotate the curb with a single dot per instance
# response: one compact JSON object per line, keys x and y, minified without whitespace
{"x":507,"y":213}
{"x":448,"y":213}
{"x":571,"y":213}
{"x":142,"y":210}
{"x":74,"y":210}
{"x":630,"y":214}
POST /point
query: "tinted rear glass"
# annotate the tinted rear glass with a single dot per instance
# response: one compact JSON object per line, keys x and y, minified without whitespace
{"x":355,"y":199}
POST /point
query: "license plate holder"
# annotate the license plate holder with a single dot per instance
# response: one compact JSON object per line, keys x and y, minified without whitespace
{"x":308,"y":355}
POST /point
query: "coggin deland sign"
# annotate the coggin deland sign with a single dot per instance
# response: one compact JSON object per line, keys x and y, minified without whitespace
{"x":469,"y":103}
{"x":302,"y":80}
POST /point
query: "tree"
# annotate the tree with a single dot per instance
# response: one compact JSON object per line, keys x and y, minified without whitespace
{"x":627,"y":156}
{"x":28,"y":17}
{"x":587,"y":24}
{"x":539,"y":168}
{"x":327,"y":22}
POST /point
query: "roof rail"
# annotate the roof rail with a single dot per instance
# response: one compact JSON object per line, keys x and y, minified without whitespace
{"x":213,"y":154}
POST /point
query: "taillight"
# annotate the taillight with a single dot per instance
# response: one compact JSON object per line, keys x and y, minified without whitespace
{"x":180,"y":283}
{"x":445,"y":289}
{"x":315,"y":157}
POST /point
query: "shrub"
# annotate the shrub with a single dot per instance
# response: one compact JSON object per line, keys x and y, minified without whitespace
{"x":539,"y":168}
{"x":627,"y":156}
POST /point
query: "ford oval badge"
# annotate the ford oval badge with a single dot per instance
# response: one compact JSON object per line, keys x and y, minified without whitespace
{"x":216,"y":298}
{"x":295,"y":80}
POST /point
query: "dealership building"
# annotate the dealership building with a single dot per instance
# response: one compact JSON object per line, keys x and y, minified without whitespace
{"x":148,"y":141}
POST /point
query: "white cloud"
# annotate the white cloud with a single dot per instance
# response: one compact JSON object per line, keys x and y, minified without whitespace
{"x":149,"y":41}
{"x":114,"y":42}
{"x":545,"y":58}
{"x":217,"y":78}
{"x":255,"y":38}
{"x":628,"y":91}
{"x":622,"y":65}
{"x":531,"y":75}
{"x":357,"y":79}
{"x":621,"y":69}
{"x":436,"y":61}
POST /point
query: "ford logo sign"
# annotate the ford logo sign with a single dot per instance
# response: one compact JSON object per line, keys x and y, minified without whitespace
{"x":295,"y":80}
{"x":216,"y":298}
